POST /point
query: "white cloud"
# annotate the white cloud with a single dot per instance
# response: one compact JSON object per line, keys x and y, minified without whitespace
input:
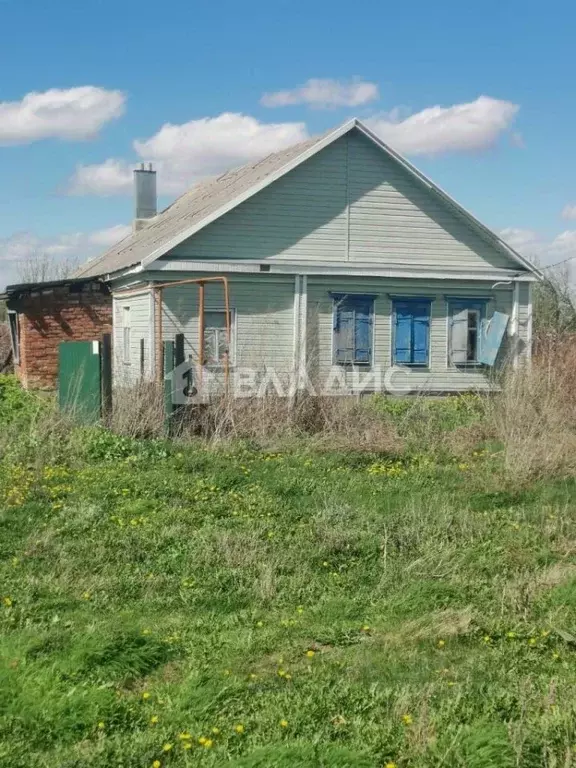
{"x":184,"y":153}
{"x":324,"y":94}
{"x":543,"y":251}
{"x":569,"y":212}
{"x":73,"y":113}
{"x":462,"y":127}
{"x":19,"y":252}
{"x":111,"y":177}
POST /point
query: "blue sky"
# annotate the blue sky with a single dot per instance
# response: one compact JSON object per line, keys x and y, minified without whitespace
{"x":80,"y":83}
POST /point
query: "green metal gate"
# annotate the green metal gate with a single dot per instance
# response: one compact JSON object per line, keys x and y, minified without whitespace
{"x":80,"y":379}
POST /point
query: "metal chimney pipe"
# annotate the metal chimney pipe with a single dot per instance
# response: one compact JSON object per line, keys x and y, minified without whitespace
{"x":144,"y":195}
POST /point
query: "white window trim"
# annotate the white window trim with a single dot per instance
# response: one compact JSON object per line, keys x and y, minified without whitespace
{"x":353,"y":366}
{"x":232,"y":348}
{"x":126,"y":358}
{"x":488,"y":305}
{"x":14,"y":327}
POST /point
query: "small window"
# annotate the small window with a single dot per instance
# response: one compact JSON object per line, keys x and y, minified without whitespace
{"x":465,"y":330}
{"x":411,"y":324}
{"x":352,"y":329}
{"x":126,"y":340}
{"x":215,"y":342}
{"x":14,"y":335}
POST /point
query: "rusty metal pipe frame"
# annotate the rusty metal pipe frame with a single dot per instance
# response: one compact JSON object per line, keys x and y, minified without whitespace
{"x":158,"y":289}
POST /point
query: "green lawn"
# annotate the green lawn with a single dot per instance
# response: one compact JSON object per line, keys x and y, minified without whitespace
{"x":170,"y":605}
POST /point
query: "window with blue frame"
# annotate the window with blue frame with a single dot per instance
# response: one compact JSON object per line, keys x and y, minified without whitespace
{"x":411,"y":323}
{"x":353,"y":328}
{"x":465,"y":318}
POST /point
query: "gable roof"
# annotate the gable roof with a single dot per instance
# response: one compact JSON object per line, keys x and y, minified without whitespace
{"x":212,"y":198}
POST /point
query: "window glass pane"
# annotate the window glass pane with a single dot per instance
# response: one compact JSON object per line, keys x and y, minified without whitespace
{"x":210,"y":347}
{"x":215,"y":319}
{"x":465,"y":320}
{"x":215,"y":345}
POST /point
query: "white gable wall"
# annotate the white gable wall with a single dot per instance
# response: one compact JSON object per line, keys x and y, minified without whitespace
{"x":349,"y":203}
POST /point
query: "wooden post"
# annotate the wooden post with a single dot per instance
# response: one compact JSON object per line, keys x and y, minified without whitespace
{"x":106,"y":374}
{"x":200,"y":330}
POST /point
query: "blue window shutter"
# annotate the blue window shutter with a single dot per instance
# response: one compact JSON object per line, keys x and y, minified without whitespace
{"x":353,"y":328}
{"x":344,"y":334}
{"x":421,"y":337}
{"x":363,"y":332}
{"x":403,"y":334}
{"x":493,"y":333}
{"x":412,"y":332}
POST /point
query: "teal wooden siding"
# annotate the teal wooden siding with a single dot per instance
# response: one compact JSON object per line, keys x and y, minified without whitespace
{"x":265,"y":328}
{"x":349,"y":203}
{"x":301,"y":216}
{"x":264,"y":318}
{"x":439,"y":375}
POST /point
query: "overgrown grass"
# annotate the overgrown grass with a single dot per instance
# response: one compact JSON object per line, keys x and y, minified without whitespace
{"x":184,"y":605}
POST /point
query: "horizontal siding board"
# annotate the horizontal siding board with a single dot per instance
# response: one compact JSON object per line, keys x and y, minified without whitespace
{"x":350,"y":202}
{"x":440,"y":376}
{"x":264,"y":318}
{"x":391,"y":215}
{"x":301,"y":215}
{"x":264,"y":306}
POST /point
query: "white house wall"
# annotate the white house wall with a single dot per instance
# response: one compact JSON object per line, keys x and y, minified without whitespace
{"x":141,"y":328}
{"x":268,"y":320}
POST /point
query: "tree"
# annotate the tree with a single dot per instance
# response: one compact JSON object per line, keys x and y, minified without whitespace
{"x":40,"y":267}
{"x":554,"y":306}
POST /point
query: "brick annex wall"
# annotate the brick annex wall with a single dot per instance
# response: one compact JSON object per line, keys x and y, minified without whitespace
{"x":69,"y":313}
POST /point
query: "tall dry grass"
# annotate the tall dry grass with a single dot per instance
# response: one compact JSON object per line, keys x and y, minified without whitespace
{"x":534,"y":415}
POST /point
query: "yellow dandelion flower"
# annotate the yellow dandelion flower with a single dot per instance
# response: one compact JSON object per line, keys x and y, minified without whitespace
{"x":167,"y":747}
{"x":101,"y":725}
{"x":154,"y":719}
{"x":7,"y":601}
{"x":287,"y":676}
{"x":208,"y":744}
{"x":390,"y":765}
{"x":532,"y":641}
{"x":259,"y":623}
{"x":186,"y":745}
{"x":555,"y":655}
{"x":86,"y":596}
{"x":239,"y":728}
{"x":310,"y":654}
{"x":407,"y":719}
{"x":487,"y":639}
{"x":215,"y":731}
{"x":145,"y":631}
{"x":202,"y":740}
{"x":441,"y":643}
{"x":146,"y":695}
{"x":283,"y":723}
{"x":511,"y":635}
{"x":184,"y":736}
{"x":156,"y":764}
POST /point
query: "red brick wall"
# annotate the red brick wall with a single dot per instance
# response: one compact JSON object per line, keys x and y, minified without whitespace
{"x":48,"y":318}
